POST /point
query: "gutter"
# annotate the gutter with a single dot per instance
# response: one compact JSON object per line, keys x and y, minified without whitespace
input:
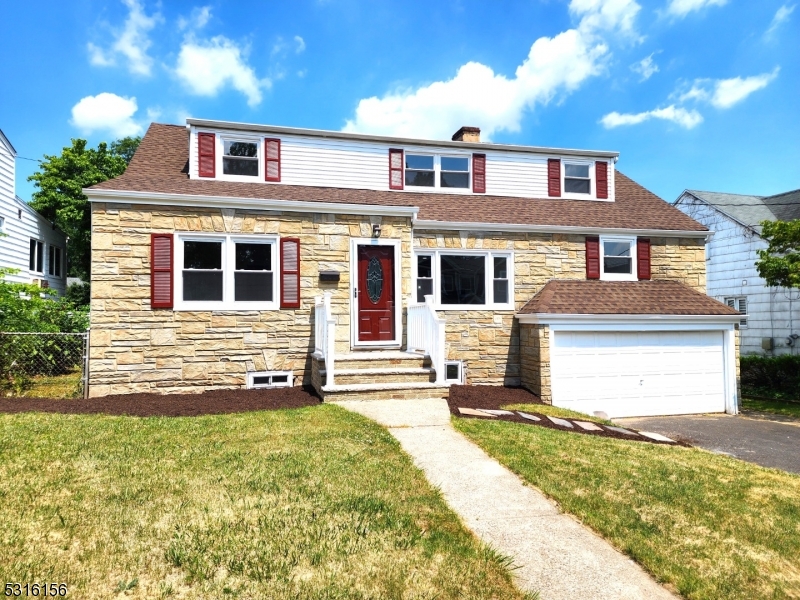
{"x":547,"y":318}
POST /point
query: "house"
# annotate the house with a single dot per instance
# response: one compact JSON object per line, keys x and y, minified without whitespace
{"x":241,"y":255}
{"x":31,"y":244}
{"x":772,"y":322}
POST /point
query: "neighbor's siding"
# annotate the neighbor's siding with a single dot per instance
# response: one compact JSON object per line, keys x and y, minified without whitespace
{"x":731,"y":256}
{"x":137,"y":349}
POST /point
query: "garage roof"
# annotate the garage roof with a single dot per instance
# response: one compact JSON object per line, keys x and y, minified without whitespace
{"x":595,"y":297}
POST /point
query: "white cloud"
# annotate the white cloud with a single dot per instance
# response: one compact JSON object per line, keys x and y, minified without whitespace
{"x":300,"y":44}
{"x":476,"y":95}
{"x":782,"y":14}
{"x":724,"y":93}
{"x":198,"y":18}
{"x":680,"y":116}
{"x":106,"y":112}
{"x":681,"y":8}
{"x":206,"y":67}
{"x":132,"y":42}
{"x":646,"y":67}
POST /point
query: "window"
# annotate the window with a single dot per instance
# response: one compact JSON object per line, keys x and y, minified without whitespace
{"x":577,"y":179}
{"x":270,"y":379}
{"x":36,"y":257}
{"x":437,"y":171}
{"x":54,"y":262}
{"x":225,"y":272}
{"x":739,"y":303}
{"x":618,"y":257}
{"x":2,"y":223}
{"x":454,"y":371}
{"x":240,"y":158}
{"x":465,"y":279}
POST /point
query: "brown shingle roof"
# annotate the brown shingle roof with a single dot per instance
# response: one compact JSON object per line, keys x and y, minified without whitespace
{"x":594,"y":297}
{"x":161,"y":165}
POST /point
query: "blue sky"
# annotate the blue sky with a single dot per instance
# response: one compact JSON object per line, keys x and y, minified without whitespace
{"x":698,"y":94}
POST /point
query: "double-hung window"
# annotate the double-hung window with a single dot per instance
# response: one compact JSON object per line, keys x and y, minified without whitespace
{"x":470,"y":280}
{"x":240,"y":157}
{"x":426,"y":170}
{"x":577,"y":178}
{"x":36,"y":256}
{"x":227,"y":272}
{"x":618,"y":258}
{"x":54,"y":262}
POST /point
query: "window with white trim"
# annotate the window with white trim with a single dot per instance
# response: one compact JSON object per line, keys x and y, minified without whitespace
{"x":36,"y":256}
{"x":240,"y":157}
{"x":433,"y":170}
{"x":226,"y":272}
{"x":2,"y":223}
{"x":739,"y":303}
{"x":54,"y":261}
{"x":618,"y":258}
{"x":465,"y":279}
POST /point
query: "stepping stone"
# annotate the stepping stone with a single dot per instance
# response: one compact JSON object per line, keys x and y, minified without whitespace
{"x":474,"y":413}
{"x":656,"y":436}
{"x":588,"y":426}
{"x":621,"y":430}
{"x":496,"y":411}
{"x":527,"y":416}
{"x":562,"y":422}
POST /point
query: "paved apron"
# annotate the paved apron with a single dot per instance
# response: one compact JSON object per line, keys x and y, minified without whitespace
{"x":556,"y":556}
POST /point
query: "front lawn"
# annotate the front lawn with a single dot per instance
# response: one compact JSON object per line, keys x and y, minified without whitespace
{"x":707,"y":525}
{"x":305,"y":503}
{"x":787,"y":409}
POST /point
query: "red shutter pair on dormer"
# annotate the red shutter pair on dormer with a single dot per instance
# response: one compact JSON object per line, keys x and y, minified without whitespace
{"x":593,"y":258}
{"x":207,"y":157}
{"x":554,"y":178}
{"x":396,"y":170}
{"x":162,"y":280}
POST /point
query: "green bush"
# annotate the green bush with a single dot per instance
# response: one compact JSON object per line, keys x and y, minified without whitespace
{"x":772,"y":376}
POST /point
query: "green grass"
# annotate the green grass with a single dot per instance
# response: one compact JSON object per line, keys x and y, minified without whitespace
{"x":313,"y":503}
{"x":555,"y":411}
{"x":788,"y":409}
{"x":707,"y":525}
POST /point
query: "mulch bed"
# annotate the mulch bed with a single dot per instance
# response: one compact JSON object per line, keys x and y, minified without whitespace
{"x":496,"y":397}
{"x":214,"y":402}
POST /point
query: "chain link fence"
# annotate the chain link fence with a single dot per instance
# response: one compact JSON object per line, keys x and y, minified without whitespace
{"x":46,"y":365}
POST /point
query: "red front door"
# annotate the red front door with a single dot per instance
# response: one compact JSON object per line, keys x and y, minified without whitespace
{"x":375,"y":293}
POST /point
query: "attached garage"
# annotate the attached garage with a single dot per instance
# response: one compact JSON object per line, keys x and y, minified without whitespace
{"x":666,"y":358}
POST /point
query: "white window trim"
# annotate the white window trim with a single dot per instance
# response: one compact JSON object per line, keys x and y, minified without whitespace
{"x":258,"y":140}
{"x":437,"y":171}
{"x":737,"y":306}
{"x":592,"y":195}
{"x":228,"y":264}
{"x":253,"y":374}
{"x":633,"y":276}
{"x":489,"y":287}
{"x":44,"y":257}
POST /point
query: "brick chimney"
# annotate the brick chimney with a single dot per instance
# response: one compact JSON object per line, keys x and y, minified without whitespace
{"x":467,"y":134}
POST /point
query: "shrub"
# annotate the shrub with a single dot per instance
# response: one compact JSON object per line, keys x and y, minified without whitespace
{"x":774,"y":376}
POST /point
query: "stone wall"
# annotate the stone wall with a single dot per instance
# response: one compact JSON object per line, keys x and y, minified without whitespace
{"x":535,"y":359}
{"x":489,"y":341}
{"x":136,"y":349}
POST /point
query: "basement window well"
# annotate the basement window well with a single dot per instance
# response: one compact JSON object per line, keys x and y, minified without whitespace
{"x":269,"y":379}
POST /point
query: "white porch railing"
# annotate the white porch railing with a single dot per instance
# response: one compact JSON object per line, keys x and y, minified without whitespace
{"x":426,"y":333}
{"x":325,"y":333}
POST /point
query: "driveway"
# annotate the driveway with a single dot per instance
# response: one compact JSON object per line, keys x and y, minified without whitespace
{"x":757,"y":438}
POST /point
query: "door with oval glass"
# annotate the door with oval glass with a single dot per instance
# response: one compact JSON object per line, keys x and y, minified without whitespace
{"x":375,"y":293}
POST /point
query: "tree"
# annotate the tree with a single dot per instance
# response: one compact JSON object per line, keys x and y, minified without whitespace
{"x":60,"y":181}
{"x":779,"y":264}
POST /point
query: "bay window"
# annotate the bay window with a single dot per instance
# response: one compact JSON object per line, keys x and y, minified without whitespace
{"x":465,"y":279}
{"x":225,"y":272}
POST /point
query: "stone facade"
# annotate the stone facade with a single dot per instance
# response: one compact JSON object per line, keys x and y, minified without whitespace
{"x":489,"y":341}
{"x":534,"y":344}
{"x":136,"y":349}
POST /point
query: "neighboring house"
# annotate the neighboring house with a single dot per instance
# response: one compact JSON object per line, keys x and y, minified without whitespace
{"x":772,"y":321}
{"x":31,"y":243}
{"x":238,"y":255}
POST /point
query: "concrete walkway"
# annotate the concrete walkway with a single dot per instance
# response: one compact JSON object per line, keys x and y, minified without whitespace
{"x":556,"y":556}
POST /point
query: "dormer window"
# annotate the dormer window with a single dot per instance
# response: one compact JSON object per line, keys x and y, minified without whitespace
{"x":240,"y":158}
{"x":420,"y":170}
{"x":455,"y":172}
{"x":423,"y":170}
{"x":577,"y":179}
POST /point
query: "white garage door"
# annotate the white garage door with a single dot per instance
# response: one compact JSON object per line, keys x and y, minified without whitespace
{"x":627,"y":374}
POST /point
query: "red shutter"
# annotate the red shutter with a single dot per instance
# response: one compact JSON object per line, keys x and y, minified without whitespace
{"x":290,"y":273}
{"x":479,"y":173}
{"x":160,"y":270}
{"x":272,"y":159}
{"x":395,"y":169}
{"x":554,"y":177}
{"x":601,"y":175}
{"x":206,"y":154}
{"x":643,"y":258}
{"x":592,"y":258}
